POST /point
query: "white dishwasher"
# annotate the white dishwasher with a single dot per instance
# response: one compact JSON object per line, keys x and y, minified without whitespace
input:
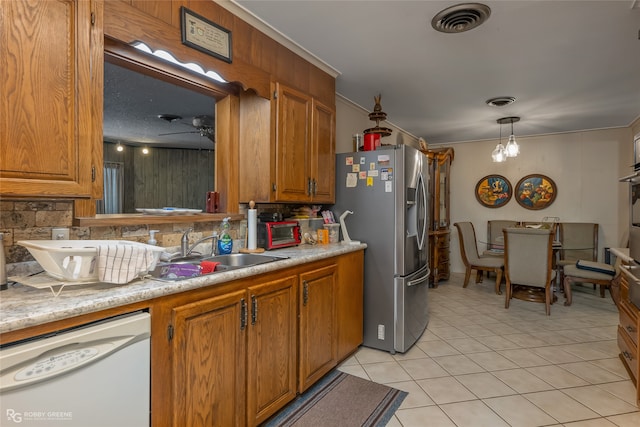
{"x":95,"y":375}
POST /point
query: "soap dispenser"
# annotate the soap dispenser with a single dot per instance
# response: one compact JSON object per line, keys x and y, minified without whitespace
{"x":225,"y":243}
{"x":152,"y":237}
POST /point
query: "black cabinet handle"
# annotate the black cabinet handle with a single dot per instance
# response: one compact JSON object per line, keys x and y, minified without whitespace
{"x":305,"y":292}
{"x":243,"y":314}
{"x":254,"y":309}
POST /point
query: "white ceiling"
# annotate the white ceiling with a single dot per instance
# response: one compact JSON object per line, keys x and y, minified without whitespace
{"x":571,"y":65}
{"x":133,"y":102}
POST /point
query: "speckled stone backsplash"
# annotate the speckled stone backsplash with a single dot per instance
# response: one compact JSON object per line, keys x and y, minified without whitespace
{"x":34,"y":220}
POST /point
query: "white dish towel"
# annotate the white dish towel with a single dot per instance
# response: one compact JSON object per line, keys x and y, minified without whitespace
{"x":119,"y":263}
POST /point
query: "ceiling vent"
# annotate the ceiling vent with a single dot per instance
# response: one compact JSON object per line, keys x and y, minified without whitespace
{"x":500,"y":101}
{"x":460,"y":18}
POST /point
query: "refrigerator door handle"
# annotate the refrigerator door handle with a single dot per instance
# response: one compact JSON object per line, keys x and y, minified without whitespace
{"x":420,"y":280}
{"x":423,"y":189}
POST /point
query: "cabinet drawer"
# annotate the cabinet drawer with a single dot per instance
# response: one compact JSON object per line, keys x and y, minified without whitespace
{"x":628,"y":323}
{"x":624,"y":287}
{"x":628,"y":353}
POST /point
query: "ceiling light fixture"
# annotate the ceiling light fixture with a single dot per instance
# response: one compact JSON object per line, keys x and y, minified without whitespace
{"x":145,"y":150}
{"x":499,"y":154}
{"x":167,"y":56}
{"x":500,"y":101}
{"x":119,"y":147}
{"x":512,"y":148}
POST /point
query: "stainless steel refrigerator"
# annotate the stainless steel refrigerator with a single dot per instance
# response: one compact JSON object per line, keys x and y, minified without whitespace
{"x":386,"y":190}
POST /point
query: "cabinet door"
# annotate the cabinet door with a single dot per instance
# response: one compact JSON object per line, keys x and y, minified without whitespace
{"x":209,"y":362}
{"x":318,"y":328}
{"x":48,"y":90}
{"x":293,"y":145}
{"x":350,"y":303}
{"x":323,"y":162}
{"x":271,"y":367}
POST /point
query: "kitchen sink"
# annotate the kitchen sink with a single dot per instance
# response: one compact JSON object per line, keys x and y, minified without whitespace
{"x":243,"y":260}
{"x":182,"y":268}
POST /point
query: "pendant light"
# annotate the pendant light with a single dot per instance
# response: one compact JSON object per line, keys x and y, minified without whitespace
{"x":499,"y":154}
{"x":512,"y":148}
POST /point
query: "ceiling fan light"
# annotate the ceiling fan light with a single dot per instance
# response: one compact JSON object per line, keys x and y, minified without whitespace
{"x":499,"y":154}
{"x":512,"y":148}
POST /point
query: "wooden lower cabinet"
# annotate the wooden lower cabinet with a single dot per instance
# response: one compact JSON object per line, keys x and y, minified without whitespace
{"x":241,"y":351}
{"x":208,"y":362}
{"x":349,"y":306}
{"x":318,"y":324}
{"x":271,"y":361}
{"x":629,"y":334}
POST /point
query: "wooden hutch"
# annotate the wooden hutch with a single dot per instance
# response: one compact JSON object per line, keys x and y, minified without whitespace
{"x":440,"y":160}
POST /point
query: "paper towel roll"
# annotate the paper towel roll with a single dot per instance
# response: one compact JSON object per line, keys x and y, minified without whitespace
{"x":252,"y":220}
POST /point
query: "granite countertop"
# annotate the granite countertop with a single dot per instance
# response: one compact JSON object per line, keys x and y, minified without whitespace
{"x":23,"y":306}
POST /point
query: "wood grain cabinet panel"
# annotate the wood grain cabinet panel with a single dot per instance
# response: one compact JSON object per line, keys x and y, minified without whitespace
{"x":208,"y":362}
{"x":318,"y":324}
{"x":629,"y":333}
{"x":287,"y":148}
{"x":293,"y":144}
{"x":271,"y":362}
{"x":350,"y":301}
{"x":323,"y":162}
{"x":50,"y":102}
{"x":439,"y":214}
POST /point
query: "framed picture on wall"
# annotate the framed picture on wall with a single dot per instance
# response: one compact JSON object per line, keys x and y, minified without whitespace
{"x":203,"y":35}
{"x":493,"y":191}
{"x":536,"y":192}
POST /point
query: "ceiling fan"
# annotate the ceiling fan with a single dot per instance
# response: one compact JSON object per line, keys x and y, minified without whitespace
{"x":203,"y":124}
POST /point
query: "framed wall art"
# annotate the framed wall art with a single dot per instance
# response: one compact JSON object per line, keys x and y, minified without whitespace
{"x":203,"y":35}
{"x":536,"y":192}
{"x":493,"y":191}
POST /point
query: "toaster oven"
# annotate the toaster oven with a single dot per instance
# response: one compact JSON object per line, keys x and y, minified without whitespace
{"x":278,"y":234}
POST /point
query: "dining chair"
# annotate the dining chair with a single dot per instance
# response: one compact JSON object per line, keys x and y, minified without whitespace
{"x":528,"y":265}
{"x":473,"y":261}
{"x":579,"y":241}
{"x":593,"y":272}
{"x":495,"y":238}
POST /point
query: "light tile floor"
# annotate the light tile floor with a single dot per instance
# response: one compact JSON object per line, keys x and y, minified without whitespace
{"x":479,"y":364}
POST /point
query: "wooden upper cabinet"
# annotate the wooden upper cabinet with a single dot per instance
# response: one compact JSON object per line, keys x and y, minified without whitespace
{"x":287,"y":148}
{"x":50,"y":102}
{"x":305,"y":147}
{"x":323,"y":165}
{"x":293,"y":145}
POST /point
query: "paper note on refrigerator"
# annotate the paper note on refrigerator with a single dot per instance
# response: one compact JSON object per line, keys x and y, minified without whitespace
{"x":352,"y":180}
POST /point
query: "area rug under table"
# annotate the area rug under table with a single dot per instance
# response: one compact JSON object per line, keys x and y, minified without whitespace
{"x":341,"y":400}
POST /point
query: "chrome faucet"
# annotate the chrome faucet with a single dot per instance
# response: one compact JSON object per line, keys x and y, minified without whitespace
{"x":184,"y":243}
{"x":185,"y":250}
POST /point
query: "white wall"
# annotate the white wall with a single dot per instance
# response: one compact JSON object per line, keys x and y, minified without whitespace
{"x":584,"y":165}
